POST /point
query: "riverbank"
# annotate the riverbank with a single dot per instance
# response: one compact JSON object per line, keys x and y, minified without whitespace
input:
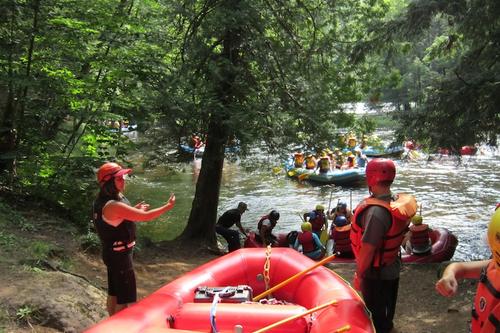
{"x":51,"y":284}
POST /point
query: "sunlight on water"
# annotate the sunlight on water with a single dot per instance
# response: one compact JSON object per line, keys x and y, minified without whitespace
{"x":458,"y":197}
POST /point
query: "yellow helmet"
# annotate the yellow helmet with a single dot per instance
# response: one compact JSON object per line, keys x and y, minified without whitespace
{"x":320,"y":207}
{"x":494,"y":237}
{"x":416,"y":220}
{"x":306,"y":226}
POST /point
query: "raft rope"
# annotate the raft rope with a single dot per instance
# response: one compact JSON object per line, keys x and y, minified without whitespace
{"x":267,"y":267}
{"x":213,"y":309}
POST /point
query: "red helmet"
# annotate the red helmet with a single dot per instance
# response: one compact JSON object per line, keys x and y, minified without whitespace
{"x":109,"y":170}
{"x":380,"y":170}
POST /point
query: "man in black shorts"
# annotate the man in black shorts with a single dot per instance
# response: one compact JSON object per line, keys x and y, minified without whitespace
{"x":226,"y":221}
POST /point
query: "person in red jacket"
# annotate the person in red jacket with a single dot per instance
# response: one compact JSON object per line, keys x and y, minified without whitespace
{"x":377,"y":230}
{"x":311,"y":245}
{"x":418,"y":238}
{"x":486,"y":306}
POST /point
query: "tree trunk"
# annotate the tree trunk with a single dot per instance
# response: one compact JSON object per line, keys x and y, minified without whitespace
{"x":203,"y":216}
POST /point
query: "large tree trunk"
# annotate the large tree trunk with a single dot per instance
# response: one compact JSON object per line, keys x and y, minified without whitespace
{"x":203,"y":216}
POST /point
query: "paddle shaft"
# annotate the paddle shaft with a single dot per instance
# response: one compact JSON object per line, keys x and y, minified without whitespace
{"x":290,"y":279}
{"x":286,"y":320}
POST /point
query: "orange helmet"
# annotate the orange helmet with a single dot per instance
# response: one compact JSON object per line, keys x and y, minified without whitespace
{"x":380,"y":170}
{"x":109,"y":170}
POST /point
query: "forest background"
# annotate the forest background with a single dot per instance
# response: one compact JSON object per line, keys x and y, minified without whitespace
{"x":261,"y":71}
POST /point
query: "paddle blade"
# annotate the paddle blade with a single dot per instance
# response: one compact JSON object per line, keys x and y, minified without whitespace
{"x":324,"y":237}
{"x":303,"y":176}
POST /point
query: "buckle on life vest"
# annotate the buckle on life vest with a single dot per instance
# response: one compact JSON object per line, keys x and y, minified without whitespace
{"x":120,"y":246}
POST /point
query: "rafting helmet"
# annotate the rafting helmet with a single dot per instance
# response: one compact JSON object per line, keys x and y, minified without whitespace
{"x":494,"y":237}
{"x":341,"y":221}
{"x":320,"y":207}
{"x":306,"y":226}
{"x":380,"y":170}
{"x":110,"y":170}
{"x":274,"y":215}
{"x":416,"y":220}
{"x":341,"y":205}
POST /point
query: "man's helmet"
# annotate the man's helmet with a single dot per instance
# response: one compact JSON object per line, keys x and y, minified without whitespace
{"x":306,"y":226}
{"x":341,"y":205}
{"x":380,"y":170}
{"x":341,"y":221}
{"x":109,"y":170}
{"x":494,"y":237}
{"x":274,"y":215}
{"x":320,"y":207}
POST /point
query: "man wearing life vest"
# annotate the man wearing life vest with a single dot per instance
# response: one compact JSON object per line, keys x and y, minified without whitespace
{"x":318,"y":220}
{"x":419,"y":237}
{"x":340,"y":210}
{"x":265,"y":227}
{"x":311,"y":245}
{"x":351,"y":160}
{"x":324,"y":164}
{"x":340,"y":234}
{"x":310,"y":162}
{"x":378,"y":227}
{"x":298,"y":159}
{"x":486,"y":307}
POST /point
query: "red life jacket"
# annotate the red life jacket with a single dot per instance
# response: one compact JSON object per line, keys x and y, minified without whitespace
{"x":306,"y":239}
{"x":318,"y":221}
{"x":486,"y":308}
{"x":402,"y":210}
{"x":420,"y":235}
{"x":341,"y":237}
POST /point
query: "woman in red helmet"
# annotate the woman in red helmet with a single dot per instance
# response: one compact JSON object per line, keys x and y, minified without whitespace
{"x":114,"y":219}
{"x":378,"y":227}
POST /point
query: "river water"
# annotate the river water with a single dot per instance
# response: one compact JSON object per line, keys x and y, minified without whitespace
{"x":460,"y":197}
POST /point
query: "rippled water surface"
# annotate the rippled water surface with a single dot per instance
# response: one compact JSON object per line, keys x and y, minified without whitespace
{"x":460,"y":197}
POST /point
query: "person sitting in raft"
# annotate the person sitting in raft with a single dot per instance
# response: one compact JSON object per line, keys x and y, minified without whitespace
{"x":318,"y":219}
{"x":340,"y":160}
{"x":195,"y":142}
{"x":226,"y":221}
{"x":310,"y":162}
{"x":298,"y":159}
{"x":340,"y":233}
{"x":486,"y":306}
{"x":361,"y":159}
{"x":351,"y":160}
{"x":324,"y":165}
{"x":114,"y":220}
{"x":340,"y":210}
{"x":418,"y":240}
{"x":266,"y":226}
{"x":311,"y":245}
{"x":333,"y":162}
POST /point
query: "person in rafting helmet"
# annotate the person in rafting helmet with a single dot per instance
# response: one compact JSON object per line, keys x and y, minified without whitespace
{"x":265,"y":227}
{"x":377,"y":232}
{"x":317,"y":218}
{"x":340,"y":210}
{"x":486,"y":306}
{"x":310,"y":242}
{"x":114,"y":220}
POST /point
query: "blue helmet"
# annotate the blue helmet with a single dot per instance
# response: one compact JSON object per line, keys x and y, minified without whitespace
{"x":340,"y":221}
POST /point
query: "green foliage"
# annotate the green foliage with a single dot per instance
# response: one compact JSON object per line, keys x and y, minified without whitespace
{"x":27,"y":314}
{"x":90,"y":242}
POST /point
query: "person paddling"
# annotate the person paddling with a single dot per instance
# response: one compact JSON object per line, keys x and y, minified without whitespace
{"x":114,"y":219}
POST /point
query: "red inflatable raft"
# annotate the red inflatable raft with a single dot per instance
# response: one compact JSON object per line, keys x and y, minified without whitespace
{"x":186,"y":304}
{"x":443,"y":248}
